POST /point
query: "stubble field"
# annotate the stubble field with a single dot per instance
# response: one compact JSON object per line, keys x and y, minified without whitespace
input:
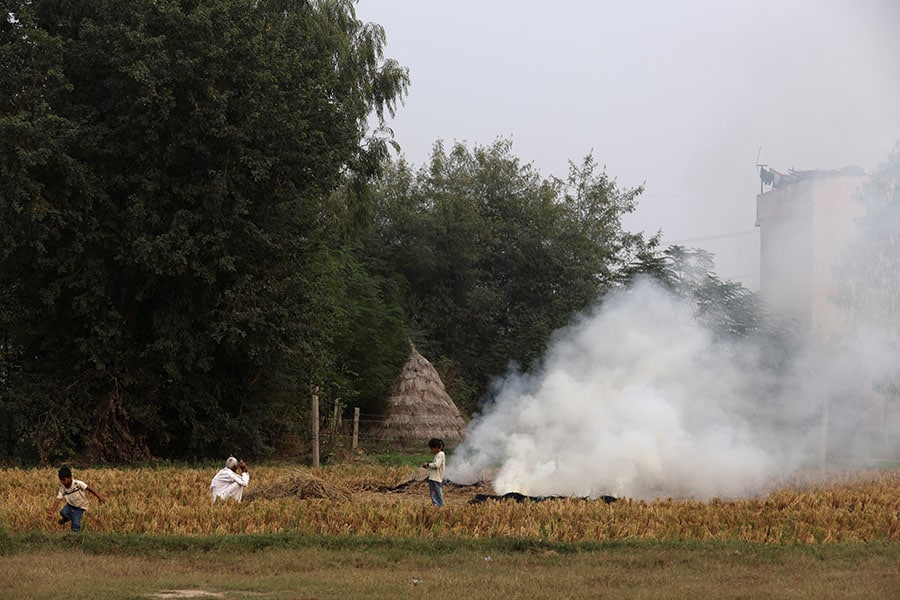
{"x":368,"y":531}
{"x":353,"y":500}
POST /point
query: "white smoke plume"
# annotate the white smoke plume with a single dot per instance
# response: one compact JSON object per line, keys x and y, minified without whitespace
{"x":637,"y":399}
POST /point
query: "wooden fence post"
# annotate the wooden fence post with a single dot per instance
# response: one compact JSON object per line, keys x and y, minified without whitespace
{"x":315,"y":427}
{"x":355,"y":427}
{"x":823,"y":448}
{"x":335,"y":421}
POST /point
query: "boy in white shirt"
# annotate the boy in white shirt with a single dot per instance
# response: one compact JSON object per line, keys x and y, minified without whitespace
{"x":73,"y":492}
{"x":436,"y":471}
{"x":227,"y":483}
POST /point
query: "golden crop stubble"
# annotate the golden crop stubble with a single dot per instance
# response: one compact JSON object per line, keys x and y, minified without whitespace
{"x":175,"y":500}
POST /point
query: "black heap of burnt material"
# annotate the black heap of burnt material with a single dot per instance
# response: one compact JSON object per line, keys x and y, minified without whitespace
{"x":517,"y":497}
{"x":447,"y":484}
{"x":479,"y":498}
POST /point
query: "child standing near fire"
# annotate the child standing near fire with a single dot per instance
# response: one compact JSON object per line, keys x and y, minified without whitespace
{"x":436,"y":471}
{"x":76,"y":500}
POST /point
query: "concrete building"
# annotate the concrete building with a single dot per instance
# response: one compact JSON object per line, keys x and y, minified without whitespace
{"x":805,"y":222}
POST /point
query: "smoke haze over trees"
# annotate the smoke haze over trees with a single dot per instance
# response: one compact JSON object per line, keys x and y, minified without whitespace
{"x":688,"y":386}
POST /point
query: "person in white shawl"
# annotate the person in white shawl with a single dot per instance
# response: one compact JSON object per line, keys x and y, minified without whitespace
{"x":230,"y":481}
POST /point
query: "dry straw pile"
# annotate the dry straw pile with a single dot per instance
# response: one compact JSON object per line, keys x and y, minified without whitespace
{"x":419,"y":408}
{"x":299,"y":484}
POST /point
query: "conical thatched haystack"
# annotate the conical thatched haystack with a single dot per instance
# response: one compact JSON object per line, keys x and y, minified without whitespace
{"x":419,"y":407}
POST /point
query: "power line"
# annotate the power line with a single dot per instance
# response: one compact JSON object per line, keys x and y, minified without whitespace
{"x":718,"y":236}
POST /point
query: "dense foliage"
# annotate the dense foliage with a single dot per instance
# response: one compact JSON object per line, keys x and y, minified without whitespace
{"x":495,"y":258}
{"x":870,"y":270}
{"x":170,"y":281}
{"x":869,"y":288}
{"x":197,"y":228}
{"x":727,"y":308}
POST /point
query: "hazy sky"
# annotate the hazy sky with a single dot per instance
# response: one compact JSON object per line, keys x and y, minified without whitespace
{"x":678,"y":96}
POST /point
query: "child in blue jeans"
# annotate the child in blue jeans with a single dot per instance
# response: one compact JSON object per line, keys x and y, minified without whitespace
{"x":73,"y":492}
{"x":436,"y":471}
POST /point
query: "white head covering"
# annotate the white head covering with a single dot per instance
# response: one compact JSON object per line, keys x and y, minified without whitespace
{"x":231,"y":463}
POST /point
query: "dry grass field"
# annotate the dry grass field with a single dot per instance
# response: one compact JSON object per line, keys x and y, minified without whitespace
{"x":458,"y":571}
{"x":350,"y":500}
{"x":339,"y":532}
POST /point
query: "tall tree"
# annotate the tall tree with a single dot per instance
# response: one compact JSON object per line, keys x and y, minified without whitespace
{"x":496,"y":257}
{"x":870,"y":270}
{"x":727,"y":308}
{"x":869,"y":296}
{"x":164,"y":166}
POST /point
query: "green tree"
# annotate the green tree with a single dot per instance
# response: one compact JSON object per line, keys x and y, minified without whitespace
{"x":870,"y":268}
{"x":496,"y":258}
{"x":167,"y":273}
{"x":869,"y":295}
{"x":733,"y":313}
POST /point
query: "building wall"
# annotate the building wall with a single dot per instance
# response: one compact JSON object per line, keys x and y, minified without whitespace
{"x":804,"y":229}
{"x":835,"y":215}
{"x":784,"y":218}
